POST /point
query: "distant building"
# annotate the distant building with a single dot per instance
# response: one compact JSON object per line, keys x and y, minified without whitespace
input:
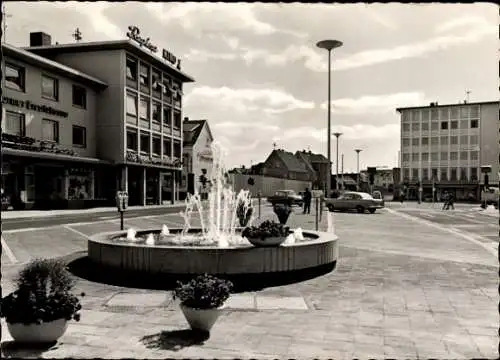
{"x":284,"y":164}
{"x":447,"y":145}
{"x":383,"y":178}
{"x":317,"y":165}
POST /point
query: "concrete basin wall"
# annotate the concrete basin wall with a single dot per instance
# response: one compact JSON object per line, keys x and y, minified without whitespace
{"x":322,"y":249}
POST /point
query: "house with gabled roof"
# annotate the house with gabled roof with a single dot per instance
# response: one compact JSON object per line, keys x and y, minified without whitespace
{"x":284,"y":164}
{"x":317,"y":165}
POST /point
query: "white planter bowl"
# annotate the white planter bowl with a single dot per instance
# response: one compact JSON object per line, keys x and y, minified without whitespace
{"x":201,"y":319}
{"x":269,"y":241}
{"x":38,"y":333}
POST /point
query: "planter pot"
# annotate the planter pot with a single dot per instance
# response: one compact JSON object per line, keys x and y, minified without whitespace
{"x":201,"y":319}
{"x":269,"y":241}
{"x":38,"y":333}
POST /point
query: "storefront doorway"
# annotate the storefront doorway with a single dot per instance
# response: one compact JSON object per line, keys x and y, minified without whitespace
{"x":152,"y":183}
{"x":134,"y":180}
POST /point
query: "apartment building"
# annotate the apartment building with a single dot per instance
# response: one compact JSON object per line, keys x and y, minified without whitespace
{"x":49,"y":152}
{"x":139,"y":115}
{"x":446,"y":145}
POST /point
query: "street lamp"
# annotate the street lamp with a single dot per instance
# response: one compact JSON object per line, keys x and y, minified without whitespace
{"x":357,"y":160}
{"x":329,"y":45}
{"x":337,"y":135}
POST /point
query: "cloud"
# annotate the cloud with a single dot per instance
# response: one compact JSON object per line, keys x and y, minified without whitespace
{"x":460,"y":22}
{"x":354,"y":132}
{"x":267,"y":100}
{"x":376,"y":103}
{"x":237,"y":129}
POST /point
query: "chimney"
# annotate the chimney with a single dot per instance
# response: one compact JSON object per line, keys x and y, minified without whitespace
{"x":186,"y":118}
{"x":40,"y":39}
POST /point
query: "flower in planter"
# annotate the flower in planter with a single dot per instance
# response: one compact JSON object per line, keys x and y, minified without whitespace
{"x":266,"y":229}
{"x":282,"y":211}
{"x":244,"y":213}
{"x":43,"y":295}
{"x":203,"y":292}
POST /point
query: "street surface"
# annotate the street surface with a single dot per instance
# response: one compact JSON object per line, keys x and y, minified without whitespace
{"x":410,"y":283}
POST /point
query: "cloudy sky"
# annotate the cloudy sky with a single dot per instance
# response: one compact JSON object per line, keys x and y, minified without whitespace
{"x":260,"y":79}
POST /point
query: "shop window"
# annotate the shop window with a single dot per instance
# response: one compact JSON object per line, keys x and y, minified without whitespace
{"x":444,"y":125}
{"x":406,"y":127}
{"x":79,"y":96}
{"x":145,"y":142}
{"x":144,"y":75}
{"x":50,"y":130}
{"x":473,"y":174}
{"x":157,"y":146}
{"x":453,"y":156}
{"x":80,"y":184}
{"x":177,"y":149}
{"x":444,"y":155}
{"x":15,"y":77}
{"x":167,"y":148}
{"x":454,"y":125}
{"x":79,"y":136}
{"x":454,"y":140}
{"x":474,"y":124}
{"x":30,"y":182}
{"x":131,"y":69}
{"x":131,"y":139}
{"x":50,"y":88}
{"x":144,"y":109}
{"x":425,"y":156}
{"x":15,"y":123}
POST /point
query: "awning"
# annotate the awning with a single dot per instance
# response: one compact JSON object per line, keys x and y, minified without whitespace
{"x":52,"y":156}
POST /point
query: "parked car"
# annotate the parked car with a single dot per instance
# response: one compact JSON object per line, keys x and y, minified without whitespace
{"x":286,"y":197}
{"x":490,"y":196}
{"x":352,"y":200}
{"x":377,"y":195}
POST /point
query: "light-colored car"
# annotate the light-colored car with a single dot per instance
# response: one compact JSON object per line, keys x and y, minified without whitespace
{"x":286,"y":196}
{"x":352,"y":200}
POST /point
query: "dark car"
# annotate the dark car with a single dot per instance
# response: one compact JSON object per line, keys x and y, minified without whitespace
{"x":286,"y":197}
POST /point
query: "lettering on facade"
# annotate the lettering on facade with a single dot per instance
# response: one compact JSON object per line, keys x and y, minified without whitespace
{"x":134,"y":34}
{"x":34,"y":107}
{"x":171,"y":58}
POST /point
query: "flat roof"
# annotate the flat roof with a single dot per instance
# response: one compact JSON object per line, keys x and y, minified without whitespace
{"x":125,"y":44}
{"x":445,"y":105}
{"x":41,"y":62}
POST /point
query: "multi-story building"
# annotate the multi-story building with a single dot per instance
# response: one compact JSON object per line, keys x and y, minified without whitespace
{"x":447,"y":145}
{"x":139,"y":115}
{"x":49,"y":151}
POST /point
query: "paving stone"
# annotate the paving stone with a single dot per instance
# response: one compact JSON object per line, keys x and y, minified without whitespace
{"x":241,"y":301}
{"x":138,"y":300}
{"x":273,"y":303}
{"x":487,"y":345}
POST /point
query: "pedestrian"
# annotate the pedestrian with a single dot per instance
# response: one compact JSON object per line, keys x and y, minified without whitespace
{"x":451,"y":200}
{"x":401,"y":196}
{"x":445,"y":201}
{"x":307,"y":201}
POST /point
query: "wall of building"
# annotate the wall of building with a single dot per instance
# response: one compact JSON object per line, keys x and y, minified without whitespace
{"x":110,"y":103}
{"x":267,"y":185}
{"x":202,"y":145}
{"x":76,"y":116}
{"x":489,"y":139}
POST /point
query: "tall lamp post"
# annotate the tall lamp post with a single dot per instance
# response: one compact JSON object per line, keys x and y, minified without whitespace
{"x":329,"y":45}
{"x":337,"y":135}
{"x":357,"y":167}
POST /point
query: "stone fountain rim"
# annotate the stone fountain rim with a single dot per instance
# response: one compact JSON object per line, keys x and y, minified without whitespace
{"x":105,"y":238}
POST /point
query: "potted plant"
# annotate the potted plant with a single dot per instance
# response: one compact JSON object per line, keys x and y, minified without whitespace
{"x":282,"y":211}
{"x":202,"y":299}
{"x":268,"y":233}
{"x":39,"y":310}
{"x":244,"y":213}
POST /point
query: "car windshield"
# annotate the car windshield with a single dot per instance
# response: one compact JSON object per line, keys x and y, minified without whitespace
{"x":366,"y":196}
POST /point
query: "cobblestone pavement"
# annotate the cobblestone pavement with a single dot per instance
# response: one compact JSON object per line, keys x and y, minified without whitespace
{"x":402,"y":289}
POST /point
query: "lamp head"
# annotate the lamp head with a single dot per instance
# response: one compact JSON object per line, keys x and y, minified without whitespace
{"x":329,"y":44}
{"x":358,"y":150}
{"x":337,"y":134}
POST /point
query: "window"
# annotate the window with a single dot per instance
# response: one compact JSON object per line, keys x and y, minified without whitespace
{"x":434,"y":173}
{"x":156,"y":80}
{"x":177,"y":120}
{"x":434,"y":126}
{"x":444,"y":125}
{"x":473,"y":174}
{"x":464,"y":112}
{"x":474,"y":112}
{"x":50,"y":130}
{"x":406,"y":173}
{"x":131,"y":105}
{"x":464,"y":140}
{"x":416,"y":116}
{"x":425,"y":174}
{"x":167,"y":147}
{"x":414,"y":157}
{"x":156,"y":112}
{"x":406,"y":157}
{"x":131,"y":69}
{"x":444,"y":175}
{"x":15,"y":123}
{"x":455,"y":112}
{"x":145,"y":142}
{"x":444,"y":140}
{"x":406,"y":142}
{"x":415,"y":141}
{"x":79,"y":96}
{"x":425,"y":141}
{"x":454,"y":124}
{"x":144,"y":109}
{"x":425,"y":126}
{"x":177,"y":149}
{"x":453,"y":156}
{"x":406,"y":127}
{"x":443,"y":113}
{"x":131,"y":139}
{"x":453,"y":174}
{"x":15,"y":77}
{"x":434,"y":156}
{"x":435,"y":140}
{"x":464,"y":155}
{"x":144,"y":75}
{"x":454,"y":140}
{"x":463,"y":173}
{"x":474,"y":124}
{"x":425,"y":156}
{"x":79,"y":136}
{"x":474,"y":140}
{"x":434,"y":115}
{"x":444,"y":155}
{"x":425,"y":115}
{"x":415,"y":127}
{"x":50,"y":88}
{"x":414,"y":173}
{"x":167,"y":84}
{"x":405,"y":116}
{"x":157,"y":146}
{"x":464,"y":124}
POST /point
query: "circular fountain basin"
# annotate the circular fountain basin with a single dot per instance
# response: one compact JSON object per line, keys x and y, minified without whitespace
{"x":317,"y":249}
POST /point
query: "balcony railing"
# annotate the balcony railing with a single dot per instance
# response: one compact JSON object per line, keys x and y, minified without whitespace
{"x":134,"y":157}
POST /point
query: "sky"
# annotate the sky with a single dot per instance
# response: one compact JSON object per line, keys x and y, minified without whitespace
{"x":261,"y":80}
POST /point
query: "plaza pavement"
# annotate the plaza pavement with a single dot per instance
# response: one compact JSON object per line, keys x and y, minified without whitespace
{"x":404,"y":287}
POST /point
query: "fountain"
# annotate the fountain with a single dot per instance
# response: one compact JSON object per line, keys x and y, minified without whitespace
{"x":216,"y":246}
